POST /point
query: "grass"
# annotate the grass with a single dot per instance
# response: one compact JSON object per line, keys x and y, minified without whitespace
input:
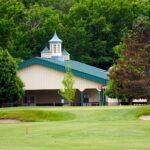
{"x":76,"y":128}
{"x":35,"y":115}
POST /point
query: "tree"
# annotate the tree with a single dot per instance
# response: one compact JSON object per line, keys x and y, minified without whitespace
{"x":130,"y":76}
{"x":89,"y":28}
{"x":11,"y":87}
{"x":94,"y":27}
{"x":68,"y":92}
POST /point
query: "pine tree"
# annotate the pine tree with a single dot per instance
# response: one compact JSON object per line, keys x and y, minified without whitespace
{"x":68,"y":92}
{"x":11,"y":87}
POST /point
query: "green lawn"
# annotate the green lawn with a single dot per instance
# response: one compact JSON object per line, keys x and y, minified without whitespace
{"x":76,"y":128}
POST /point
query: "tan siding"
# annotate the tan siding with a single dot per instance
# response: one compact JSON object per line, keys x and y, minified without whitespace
{"x":37,"y":77}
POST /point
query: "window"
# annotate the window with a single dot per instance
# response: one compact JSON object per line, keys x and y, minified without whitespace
{"x":29,"y":100}
{"x":25,"y":100}
{"x":58,"y":48}
{"x":32,"y":99}
{"x":50,"y":48}
{"x":55,"y":49}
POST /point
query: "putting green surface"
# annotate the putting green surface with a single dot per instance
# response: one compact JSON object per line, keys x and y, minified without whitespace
{"x":76,"y":128}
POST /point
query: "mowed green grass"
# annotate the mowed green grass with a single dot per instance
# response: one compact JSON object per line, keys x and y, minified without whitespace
{"x":76,"y":128}
{"x":29,"y":115}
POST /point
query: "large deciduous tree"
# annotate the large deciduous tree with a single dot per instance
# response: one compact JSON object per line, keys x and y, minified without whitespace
{"x":11,"y":87}
{"x":130,"y":76}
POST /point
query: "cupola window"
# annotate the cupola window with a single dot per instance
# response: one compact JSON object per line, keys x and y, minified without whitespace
{"x":55,"y":49}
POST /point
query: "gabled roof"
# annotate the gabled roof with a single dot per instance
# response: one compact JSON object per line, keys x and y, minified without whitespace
{"x":79,"y":69}
{"x":65,"y":52}
{"x":45,"y":50}
{"x":55,"y":38}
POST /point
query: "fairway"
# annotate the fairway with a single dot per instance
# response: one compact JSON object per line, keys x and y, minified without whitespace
{"x":83,"y":128}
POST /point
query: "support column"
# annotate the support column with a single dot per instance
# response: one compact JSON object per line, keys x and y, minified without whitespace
{"x":62,"y":100}
{"x":104,"y":98}
{"x":101,"y":97}
{"x":81,"y":98}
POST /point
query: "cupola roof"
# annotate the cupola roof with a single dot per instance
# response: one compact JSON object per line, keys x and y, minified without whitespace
{"x":65,"y":52}
{"x":55,"y":38}
{"x":45,"y":50}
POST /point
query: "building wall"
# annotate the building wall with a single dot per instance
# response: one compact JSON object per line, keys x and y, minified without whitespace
{"x":77,"y":96}
{"x":66,"y":57}
{"x":37,"y":77}
{"x":93,"y":95}
{"x":46,"y":55}
{"x":44,"y":96}
{"x":112,"y":101}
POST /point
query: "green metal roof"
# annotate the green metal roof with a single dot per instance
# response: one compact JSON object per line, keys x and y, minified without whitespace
{"x":79,"y":69}
{"x":45,"y":50}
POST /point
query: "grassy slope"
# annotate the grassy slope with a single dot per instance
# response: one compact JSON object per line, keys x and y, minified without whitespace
{"x":29,"y":115}
{"x":93,"y":128}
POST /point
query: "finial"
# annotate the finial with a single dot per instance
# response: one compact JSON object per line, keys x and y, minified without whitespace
{"x":55,"y":38}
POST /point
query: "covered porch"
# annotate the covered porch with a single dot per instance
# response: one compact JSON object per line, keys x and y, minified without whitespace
{"x":87,"y":97}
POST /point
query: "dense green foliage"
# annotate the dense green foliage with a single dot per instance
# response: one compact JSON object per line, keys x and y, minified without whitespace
{"x":95,"y":128}
{"x":11,"y":87}
{"x":89,"y":29}
{"x":130,"y":76}
{"x":68,"y":82}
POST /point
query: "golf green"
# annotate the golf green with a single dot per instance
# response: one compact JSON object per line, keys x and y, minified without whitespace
{"x":75,"y":128}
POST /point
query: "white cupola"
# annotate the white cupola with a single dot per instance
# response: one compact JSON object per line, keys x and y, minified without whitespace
{"x":55,"y":50}
{"x":55,"y":45}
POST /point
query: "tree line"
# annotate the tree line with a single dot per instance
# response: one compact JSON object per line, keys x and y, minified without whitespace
{"x":90,"y":29}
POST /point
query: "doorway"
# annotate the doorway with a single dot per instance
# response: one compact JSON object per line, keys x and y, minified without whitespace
{"x":29,"y":100}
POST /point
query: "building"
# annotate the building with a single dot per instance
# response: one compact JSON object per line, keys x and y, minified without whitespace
{"x":43,"y":77}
